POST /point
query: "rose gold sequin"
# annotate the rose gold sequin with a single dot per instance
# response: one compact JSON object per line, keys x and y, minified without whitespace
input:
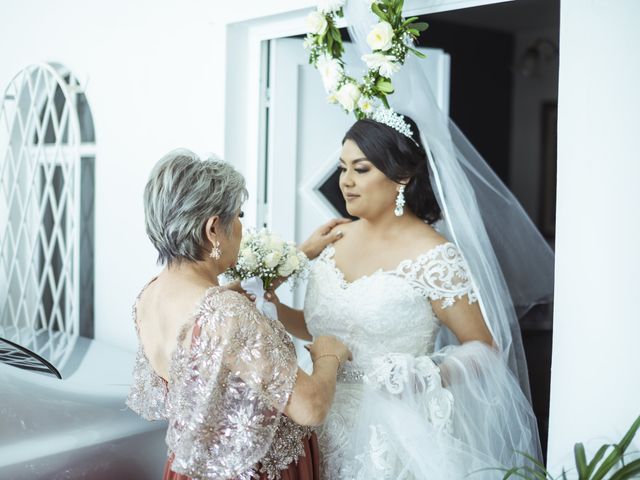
{"x":226,"y":394}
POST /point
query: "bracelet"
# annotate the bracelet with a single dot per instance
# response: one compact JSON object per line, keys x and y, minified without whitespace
{"x":329,"y":355}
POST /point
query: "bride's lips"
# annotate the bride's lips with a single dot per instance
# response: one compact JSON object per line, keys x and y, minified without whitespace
{"x":350,"y":196}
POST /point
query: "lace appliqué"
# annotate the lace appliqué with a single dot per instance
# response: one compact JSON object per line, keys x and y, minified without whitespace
{"x":147,"y":395}
{"x":394,"y":373}
{"x":440,"y":274}
{"x":226,"y":393}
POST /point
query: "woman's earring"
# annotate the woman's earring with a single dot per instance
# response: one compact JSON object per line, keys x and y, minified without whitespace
{"x":216,"y":253}
{"x":400,"y":202}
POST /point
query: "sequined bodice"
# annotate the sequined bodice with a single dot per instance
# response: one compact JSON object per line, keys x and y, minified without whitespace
{"x":226,"y":392}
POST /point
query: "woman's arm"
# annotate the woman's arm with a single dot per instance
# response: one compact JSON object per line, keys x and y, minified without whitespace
{"x":291,"y":318}
{"x":465,"y":320}
{"x":312,"y":395}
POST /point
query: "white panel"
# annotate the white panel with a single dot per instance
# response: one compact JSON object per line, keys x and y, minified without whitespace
{"x":595,"y":387}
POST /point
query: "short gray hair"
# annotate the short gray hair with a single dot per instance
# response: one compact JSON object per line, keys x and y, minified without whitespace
{"x":183,"y":191}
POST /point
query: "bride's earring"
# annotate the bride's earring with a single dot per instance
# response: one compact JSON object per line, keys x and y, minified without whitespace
{"x":216,"y":253}
{"x":400,"y":202}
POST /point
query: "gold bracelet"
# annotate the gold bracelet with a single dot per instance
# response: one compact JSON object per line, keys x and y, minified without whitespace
{"x":329,"y":355}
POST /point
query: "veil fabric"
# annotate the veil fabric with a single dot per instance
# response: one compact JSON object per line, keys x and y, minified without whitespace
{"x":488,"y":420}
{"x":510,"y":262}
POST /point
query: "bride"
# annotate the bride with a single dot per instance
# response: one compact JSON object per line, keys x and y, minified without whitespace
{"x":423,"y":288}
{"x":386,"y":287}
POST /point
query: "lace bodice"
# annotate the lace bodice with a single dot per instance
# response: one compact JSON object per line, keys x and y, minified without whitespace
{"x":225,"y":393}
{"x":387,"y":311}
{"x":388,"y":322}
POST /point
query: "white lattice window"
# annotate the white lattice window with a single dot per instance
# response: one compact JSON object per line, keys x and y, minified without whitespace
{"x":47,"y":154}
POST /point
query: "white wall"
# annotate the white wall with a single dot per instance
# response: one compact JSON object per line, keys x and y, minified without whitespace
{"x":156,"y":82}
{"x":529,"y":93}
{"x":595,"y":390}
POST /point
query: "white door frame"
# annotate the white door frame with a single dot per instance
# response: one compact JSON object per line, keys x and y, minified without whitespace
{"x":245,"y":84}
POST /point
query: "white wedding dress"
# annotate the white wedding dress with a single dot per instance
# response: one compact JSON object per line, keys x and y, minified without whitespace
{"x":391,"y":417}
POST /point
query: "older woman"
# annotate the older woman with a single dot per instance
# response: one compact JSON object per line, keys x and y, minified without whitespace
{"x":224,"y":376}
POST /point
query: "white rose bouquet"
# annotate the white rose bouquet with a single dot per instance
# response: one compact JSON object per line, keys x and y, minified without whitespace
{"x":266,"y":256}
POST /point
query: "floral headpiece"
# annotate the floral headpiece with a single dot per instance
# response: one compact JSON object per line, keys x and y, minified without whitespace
{"x":391,"y":39}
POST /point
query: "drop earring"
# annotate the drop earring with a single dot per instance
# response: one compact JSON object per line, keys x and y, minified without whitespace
{"x":216,"y":253}
{"x":400,"y":202}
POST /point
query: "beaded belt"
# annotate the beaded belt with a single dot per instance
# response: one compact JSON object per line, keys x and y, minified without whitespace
{"x":350,"y":375}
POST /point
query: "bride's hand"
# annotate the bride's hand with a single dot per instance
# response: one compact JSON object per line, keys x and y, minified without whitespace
{"x":323,"y":236}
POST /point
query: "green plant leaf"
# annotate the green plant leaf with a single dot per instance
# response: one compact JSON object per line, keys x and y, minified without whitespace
{"x":335,"y":33}
{"x":618,"y":451}
{"x":581,"y":460}
{"x":417,"y":53}
{"x":384,"y":86}
{"x":545,"y":473}
{"x":630,"y":470}
{"x":515,"y":471}
{"x":596,"y":458}
{"x":375,"y":8}
{"x":421,"y":26}
{"x":628,"y":437}
{"x":409,"y":20}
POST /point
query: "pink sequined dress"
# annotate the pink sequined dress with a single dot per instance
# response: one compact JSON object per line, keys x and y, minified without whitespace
{"x":225,"y":397}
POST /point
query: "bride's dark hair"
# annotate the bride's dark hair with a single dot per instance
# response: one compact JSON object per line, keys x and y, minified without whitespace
{"x":399,"y":158}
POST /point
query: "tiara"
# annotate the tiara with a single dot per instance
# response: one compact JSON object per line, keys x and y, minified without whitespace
{"x":393,"y":120}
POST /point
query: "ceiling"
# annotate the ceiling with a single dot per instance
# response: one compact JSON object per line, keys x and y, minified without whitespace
{"x":512,"y":16}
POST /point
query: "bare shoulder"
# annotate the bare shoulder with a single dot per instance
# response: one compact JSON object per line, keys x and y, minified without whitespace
{"x":349,"y":226}
{"x":421,"y":238}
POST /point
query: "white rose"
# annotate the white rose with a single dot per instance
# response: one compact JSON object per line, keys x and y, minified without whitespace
{"x":307,"y":43}
{"x":289,"y":266}
{"x":374,"y":60}
{"x":330,"y":71}
{"x":380,"y":38}
{"x":386,"y":65}
{"x":389,"y":67}
{"x":348,"y":95}
{"x":249,"y":259}
{"x":272,"y":259}
{"x":317,"y":23}
{"x":275,"y":243}
{"x":330,"y":6}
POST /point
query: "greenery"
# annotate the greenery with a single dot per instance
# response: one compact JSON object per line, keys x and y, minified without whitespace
{"x":376,"y":84}
{"x":608,"y":463}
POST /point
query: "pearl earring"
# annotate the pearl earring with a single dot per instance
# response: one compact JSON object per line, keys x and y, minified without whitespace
{"x":216,"y":253}
{"x":400,"y":202}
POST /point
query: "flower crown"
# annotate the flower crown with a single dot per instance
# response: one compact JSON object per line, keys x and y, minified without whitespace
{"x":391,"y":39}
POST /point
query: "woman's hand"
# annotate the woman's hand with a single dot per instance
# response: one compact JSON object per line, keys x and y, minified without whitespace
{"x":326,"y":345}
{"x":321,"y":237}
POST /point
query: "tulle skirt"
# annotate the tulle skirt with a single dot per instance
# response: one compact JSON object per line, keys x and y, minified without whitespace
{"x":306,"y":468}
{"x":462,"y":416}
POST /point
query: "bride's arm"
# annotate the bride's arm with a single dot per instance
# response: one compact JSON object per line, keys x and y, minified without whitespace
{"x":466,"y":322}
{"x":291,"y":318}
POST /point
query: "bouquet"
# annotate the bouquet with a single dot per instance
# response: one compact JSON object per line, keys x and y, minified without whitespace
{"x":263,"y":258}
{"x":268,"y":257}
